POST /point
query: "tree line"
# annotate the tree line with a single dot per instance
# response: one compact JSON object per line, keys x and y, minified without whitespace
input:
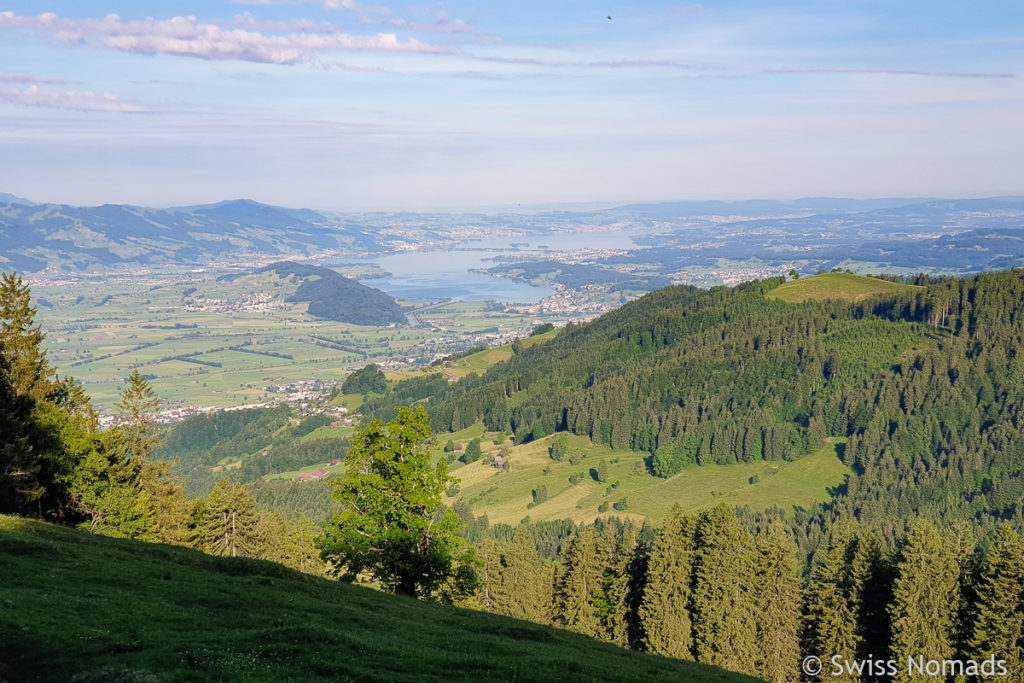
{"x":705,"y":588}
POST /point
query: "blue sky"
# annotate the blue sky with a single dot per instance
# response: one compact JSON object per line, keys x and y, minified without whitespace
{"x":353,"y":105}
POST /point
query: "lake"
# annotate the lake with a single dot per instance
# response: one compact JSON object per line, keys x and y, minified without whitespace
{"x":446,"y":273}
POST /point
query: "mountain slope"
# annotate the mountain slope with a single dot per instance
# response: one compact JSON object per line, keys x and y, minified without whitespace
{"x":33,"y":237}
{"x":926,"y":384}
{"x":80,"y":605}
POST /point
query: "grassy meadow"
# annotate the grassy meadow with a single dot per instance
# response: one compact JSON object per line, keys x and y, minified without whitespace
{"x":74,"y":606}
{"x":507,"y":496}
{"x":846,"y":286}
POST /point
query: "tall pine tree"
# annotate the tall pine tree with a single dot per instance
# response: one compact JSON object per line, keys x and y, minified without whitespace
{"x":724,"y":597}
{"x":665,"y":610}
{"x":999,"y":619}
{"x":926,"y":593}
{"x":229,"y":521}
{"x":779,"y":595}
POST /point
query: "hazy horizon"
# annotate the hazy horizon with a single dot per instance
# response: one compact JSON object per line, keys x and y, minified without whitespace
{"x":349,"y":106}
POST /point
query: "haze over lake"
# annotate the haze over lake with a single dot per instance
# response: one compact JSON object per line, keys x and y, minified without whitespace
{"x":448,"y":273}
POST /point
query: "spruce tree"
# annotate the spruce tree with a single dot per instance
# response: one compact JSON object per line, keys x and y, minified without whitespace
{"x":779,"y":597}
{"x":106,"y":489}
{"x":665,"y":610}
{"x":999,"y":619}
{"x":229,"y":525}
{"x":525,"y":580}
{"x":724,"y":601}
{"x":21,"y":341}
{"x":170,"y":507}
{"x":579,"y":577}
{"x":842,"y":596}
{"x":20,"y":487}
{"x":137,"y":407}
{"x":925,"y":598}
{"x":30,"y":463}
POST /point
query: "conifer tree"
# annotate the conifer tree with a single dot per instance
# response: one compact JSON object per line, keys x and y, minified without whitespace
{"x":665,"y":610}
{"x":779,"y":598}
{"x":841,"y":619}
{"x":170,"y":506}
{"x":20,"y":488}
{"x":925,"y":598}
{"x":489,"y":574}
{"x":137,"y":407}
{"x":229,"y":521}
{"x":525,"y":580}
{"x":724,"y":601}
{"x":299,"y":550}
{"x":616,"y":550}
{"x":106,"y":488}
{"x":21,"y":341}
{"x":579,"y":577}
{"x":394,"y":526}
{"x":26,"y":457}
{"x":999,"y":619}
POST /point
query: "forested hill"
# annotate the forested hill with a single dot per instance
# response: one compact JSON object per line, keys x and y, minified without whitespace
{"x":927,"y":384}
{"x":336,"y":297}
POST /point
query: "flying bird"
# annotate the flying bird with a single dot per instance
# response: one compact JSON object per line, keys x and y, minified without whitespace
{"x":609,"y":18}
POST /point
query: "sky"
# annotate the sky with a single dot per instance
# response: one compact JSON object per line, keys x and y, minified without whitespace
{"x":354,"y":106}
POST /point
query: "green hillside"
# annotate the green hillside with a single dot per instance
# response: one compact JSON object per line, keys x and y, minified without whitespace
{"x":924,"y":383}
{"x":845,"y":286}
{"x":507,"y":496}
{"x":89,"y":608}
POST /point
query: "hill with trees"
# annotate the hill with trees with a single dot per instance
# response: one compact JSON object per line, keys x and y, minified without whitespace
{"x":926,"y":385}
{"x":335,"y":297}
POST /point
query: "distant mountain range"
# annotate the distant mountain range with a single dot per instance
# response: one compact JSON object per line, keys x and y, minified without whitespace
{"x":958,"y":234}
{"x":35,"y":236}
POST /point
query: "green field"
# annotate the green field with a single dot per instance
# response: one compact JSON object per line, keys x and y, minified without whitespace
{"x":846,"y":286}
{"x":178,"y":329}
{"x":506,"y":496}
{"x":89,"y":608}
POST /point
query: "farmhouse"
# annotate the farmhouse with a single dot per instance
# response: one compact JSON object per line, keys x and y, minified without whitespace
{"x":310,"y":476}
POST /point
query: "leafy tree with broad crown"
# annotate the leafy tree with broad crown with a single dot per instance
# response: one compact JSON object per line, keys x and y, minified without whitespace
{"x":394,"y":528}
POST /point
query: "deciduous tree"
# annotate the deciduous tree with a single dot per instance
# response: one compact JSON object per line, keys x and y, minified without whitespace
{"x":394,"y":528}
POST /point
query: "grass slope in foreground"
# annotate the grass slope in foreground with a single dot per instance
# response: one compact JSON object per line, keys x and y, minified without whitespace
{"x":846,"y":286}
{"x":73,"y":604}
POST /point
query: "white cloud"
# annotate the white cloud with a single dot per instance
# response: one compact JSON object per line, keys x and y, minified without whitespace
{"x":29,"y":78}
{"x":35,"y":96}
{"x":187,"y":36}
